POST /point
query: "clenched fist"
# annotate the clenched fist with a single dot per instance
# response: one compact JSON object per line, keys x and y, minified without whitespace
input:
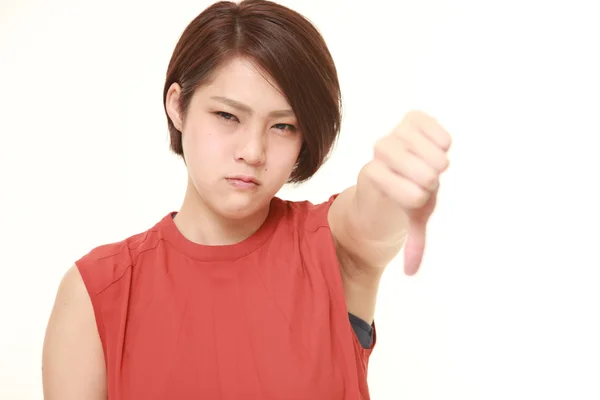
{"x":406,"y":168}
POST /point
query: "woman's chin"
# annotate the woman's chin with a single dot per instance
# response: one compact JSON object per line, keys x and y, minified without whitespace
{"x":242,"y":207}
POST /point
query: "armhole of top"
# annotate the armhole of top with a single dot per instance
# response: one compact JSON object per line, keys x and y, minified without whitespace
{"x":364,"y":335}
{"x":92,"y":284}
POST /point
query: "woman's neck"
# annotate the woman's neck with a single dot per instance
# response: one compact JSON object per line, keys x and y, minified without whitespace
{"x":200,"y":223}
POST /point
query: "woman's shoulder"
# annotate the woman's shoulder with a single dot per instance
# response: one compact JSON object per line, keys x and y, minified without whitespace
{"x":310,"y":214}
{"x":107,"y":263}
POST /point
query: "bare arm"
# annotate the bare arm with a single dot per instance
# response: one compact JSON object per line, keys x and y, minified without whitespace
{"x":394,"y":196}
{"x":73,"y":365}
{"x":362,"y":251}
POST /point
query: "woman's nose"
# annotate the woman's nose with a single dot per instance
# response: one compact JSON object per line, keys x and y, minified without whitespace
{"x":251,"y":147}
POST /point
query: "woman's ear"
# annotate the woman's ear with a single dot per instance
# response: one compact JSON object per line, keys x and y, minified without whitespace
{"x":173,"y":106}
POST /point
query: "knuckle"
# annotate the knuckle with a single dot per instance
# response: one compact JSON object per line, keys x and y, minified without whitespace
{"x":431,"y":180}
{"x":418,"y":198}
{"x":388,"y":149}
{"x":415,"y":114}
{"x":446,"y":142}
{"x":381,"y":146}
{"x":442,"y":164}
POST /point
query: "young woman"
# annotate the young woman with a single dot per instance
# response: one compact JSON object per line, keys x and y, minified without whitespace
{"x":239,"y":294}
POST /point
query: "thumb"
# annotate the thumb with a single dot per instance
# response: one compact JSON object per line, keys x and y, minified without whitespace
{"x":414,"y":247}
{"x":415,"y":243}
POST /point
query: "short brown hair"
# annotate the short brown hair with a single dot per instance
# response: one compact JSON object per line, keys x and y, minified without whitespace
{"x":283,"y":43}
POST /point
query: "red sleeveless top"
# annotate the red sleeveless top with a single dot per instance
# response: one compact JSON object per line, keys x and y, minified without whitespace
{"x":265,"y":318}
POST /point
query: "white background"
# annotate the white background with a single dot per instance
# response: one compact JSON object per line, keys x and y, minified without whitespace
{"x":506,"y":305}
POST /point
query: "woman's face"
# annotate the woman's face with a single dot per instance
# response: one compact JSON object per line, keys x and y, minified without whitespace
{"x":240,"y":139}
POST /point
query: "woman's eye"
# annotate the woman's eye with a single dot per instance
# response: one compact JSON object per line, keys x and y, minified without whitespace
{"x":226,"y":116}
{"x":285,"y":127}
